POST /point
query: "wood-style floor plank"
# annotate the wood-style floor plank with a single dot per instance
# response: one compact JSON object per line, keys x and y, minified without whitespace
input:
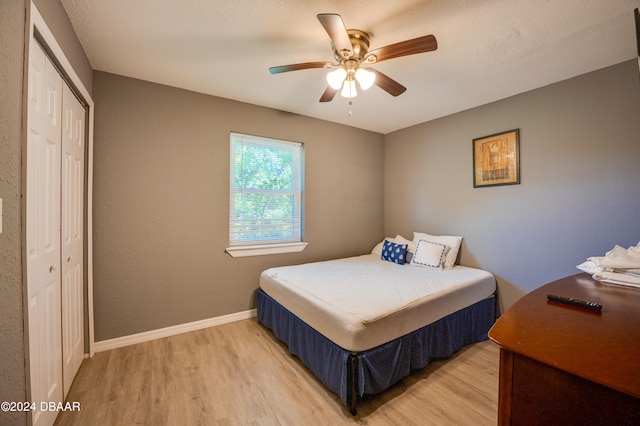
{"x":240,"y":374}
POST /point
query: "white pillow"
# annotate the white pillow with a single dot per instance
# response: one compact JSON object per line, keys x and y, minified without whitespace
{"x":450,"y":241}
{"x":429,"y":254}
{"x":411,"y":247}
{"x":378,"y":248}
{"x":402,"y":240}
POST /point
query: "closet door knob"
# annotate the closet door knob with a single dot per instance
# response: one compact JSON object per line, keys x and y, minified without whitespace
{"x":52,"y":269}
{"x":69,"y":259}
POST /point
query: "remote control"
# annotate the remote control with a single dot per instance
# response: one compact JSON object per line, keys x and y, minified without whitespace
{"x":575,"y":302}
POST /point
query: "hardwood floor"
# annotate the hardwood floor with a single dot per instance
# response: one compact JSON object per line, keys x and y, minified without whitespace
{"x":240,"y":374}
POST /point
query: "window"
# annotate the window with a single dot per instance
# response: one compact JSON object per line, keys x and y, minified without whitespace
{"x":265,"y":196}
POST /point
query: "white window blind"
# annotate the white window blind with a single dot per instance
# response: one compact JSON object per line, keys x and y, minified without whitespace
{"x":265,"y":203}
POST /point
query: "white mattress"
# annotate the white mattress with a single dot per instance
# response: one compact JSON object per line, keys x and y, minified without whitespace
{"x":362,"y":302}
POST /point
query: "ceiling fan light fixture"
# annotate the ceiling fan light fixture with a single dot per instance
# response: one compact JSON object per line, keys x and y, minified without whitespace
{"x":336,"y":78}
{"x":365,"y":78}
{"x":351,"y":49}
{"x":349,"y":89}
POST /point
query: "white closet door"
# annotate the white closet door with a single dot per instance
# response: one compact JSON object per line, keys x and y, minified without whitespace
{"x":43,"y":233}
{"x":73,"y":132}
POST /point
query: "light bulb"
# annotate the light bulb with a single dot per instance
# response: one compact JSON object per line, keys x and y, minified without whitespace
{"x":365,"y":78}
{"x":336,"y":77}
{"x":349,"y":89}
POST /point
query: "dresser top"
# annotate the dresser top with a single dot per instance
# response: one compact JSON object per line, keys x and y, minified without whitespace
{"x":603,"y":347}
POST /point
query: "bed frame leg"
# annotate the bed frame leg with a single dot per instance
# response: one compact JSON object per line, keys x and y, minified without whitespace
{"x":352,"y":383}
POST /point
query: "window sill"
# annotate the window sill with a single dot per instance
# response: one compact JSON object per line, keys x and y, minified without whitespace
{"x":264,"y":249}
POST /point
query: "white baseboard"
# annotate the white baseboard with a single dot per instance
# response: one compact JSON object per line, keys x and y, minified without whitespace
{"x":119,"y":342}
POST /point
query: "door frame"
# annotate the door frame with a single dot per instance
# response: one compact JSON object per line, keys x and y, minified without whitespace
{"x":38,"y":30}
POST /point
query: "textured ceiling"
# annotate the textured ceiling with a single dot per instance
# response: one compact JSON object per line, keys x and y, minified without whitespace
{"x":487,"y":49}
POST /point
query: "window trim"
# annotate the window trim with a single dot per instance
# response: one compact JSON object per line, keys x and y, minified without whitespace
{"x":265,"y":249}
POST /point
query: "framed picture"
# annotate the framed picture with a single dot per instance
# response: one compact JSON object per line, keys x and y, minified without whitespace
{"x":496,"y":159}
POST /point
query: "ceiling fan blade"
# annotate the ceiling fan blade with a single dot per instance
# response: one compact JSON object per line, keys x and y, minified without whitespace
{"x":296,"y":67}
{"x":334,"y":26}
{"x":388,"y":84}
{"x":328,"y":94}
{"x":422,"y":44}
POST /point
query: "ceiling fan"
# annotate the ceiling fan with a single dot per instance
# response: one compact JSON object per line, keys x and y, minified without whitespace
{"x":351,"y":51}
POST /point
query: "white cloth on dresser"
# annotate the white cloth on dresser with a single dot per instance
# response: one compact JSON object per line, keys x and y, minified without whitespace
{"x":618,"y":266}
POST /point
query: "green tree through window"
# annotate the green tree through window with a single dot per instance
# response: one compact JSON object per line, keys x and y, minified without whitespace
{"x":265,"y":191}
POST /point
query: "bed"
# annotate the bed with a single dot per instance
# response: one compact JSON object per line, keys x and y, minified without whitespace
{"x":361,"y":324}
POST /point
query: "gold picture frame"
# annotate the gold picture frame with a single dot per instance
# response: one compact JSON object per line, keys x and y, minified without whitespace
{"x":496,"y":159}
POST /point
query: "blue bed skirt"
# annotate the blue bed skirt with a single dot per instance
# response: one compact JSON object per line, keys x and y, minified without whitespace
{"x":353,"y":375}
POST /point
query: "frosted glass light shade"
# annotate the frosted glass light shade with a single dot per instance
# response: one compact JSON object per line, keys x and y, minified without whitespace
{"x":365,"y":78}
{"x":349,"y":89}
{"x":336,"y":77}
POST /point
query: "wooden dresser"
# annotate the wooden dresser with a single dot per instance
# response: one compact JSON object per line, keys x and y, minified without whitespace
{"x":565,"y":365}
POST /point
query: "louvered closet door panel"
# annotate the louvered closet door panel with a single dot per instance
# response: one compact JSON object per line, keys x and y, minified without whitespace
{"x":43,"y":233}
{"x":73,"y":130}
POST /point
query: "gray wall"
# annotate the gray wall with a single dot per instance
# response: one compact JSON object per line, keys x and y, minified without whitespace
{"x":13,"y":48}
{"x":12,"y":361}
{"x":161,"y":207}
{"x":580,"y":180}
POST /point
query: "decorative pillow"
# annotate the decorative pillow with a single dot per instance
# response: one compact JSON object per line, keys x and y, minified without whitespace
{"x":408,"y":257}
{"x":429,"y":254}
{"x":450,"y":241}
{"x":393,"y":252}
